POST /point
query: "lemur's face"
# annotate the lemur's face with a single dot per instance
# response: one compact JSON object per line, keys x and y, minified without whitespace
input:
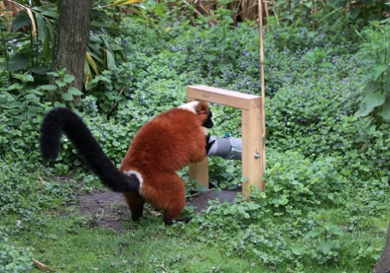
{"x":202,"y":109}
{"x":208,"y":123}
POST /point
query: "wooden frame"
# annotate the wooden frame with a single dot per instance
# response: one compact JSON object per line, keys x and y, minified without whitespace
{"x":253,"y":145}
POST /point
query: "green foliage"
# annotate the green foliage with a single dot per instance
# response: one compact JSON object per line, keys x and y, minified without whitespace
{"x":303,"y":37}
{"x":23,"y":196}
{"x":339,"y":13}
{"x":313,"y":109}
{"x":33,"y":49}
{"x":192,"y":187}
{"x":22,"y":108}
{"x":149,"y":80}
{"x":296,"y":183}
{"x":28,"y":55}
{"x":66,"y":94}
{"x":325,"y":241}
{"x":21,"y":114}
{"x":219,"y":56}
{"x":375,"y":51}
{"x":14,"y":258}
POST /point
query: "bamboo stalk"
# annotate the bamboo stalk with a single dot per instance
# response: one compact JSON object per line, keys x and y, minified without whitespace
{"x":266,"y":12}
{"x":275,"y":13}
{"x":261,"y":52}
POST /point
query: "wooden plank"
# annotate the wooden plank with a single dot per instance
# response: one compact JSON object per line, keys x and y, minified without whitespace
{"x":252,"y":146}
{"x":200,"y":172}
{"x":220,"y":96}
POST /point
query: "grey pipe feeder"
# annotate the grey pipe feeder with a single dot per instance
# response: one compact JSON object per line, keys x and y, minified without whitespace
{"x":226,"y":147}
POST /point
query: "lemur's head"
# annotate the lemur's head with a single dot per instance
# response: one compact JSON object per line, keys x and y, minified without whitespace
{"x":202,"y":109}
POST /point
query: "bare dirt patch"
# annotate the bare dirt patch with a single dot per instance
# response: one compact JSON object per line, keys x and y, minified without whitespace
{"x":109,"y":208}
{"x":110,"y":211}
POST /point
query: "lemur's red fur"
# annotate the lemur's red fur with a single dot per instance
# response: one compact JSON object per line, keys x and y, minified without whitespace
{"x":148,"y":172}
{"x":163,"y":146}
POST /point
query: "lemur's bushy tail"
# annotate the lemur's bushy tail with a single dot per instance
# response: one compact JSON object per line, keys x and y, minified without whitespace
{"x":63,"y":119}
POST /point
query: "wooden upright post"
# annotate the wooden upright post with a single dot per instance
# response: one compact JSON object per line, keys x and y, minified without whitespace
{"x":252,"y":134}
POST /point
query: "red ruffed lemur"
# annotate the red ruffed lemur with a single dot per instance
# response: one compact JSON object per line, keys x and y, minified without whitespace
{"x":164,"y":145}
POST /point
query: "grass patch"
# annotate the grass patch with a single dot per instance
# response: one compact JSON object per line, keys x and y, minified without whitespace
{"x":146,"y":247}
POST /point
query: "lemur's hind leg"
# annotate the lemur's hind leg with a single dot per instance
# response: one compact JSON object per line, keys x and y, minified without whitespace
{"x":167,"y":194}
{"x":135,"y":202}
{"x":176,"y":201}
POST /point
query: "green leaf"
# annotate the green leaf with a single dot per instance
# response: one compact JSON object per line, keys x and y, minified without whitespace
{"x":52,"y":14}
{"x":60,"y":83}
{"x":335,"y":230}
{"x":385,"y":112}
{"x":230,"y":169}
{"x":28,"y":78}
{"x":297,"y":251}
{"x":21,"y":20}
{"x":277,"y":188}
{"x":54,"y":74}
{"x":354,"y":13}
{"x":110,"y":59}
{"x":378,"y":69}
{"x":41,"y":70}
{"x":363,"y":111}
{"x":244,"y":179}
{"x":100,"y":78}
{"x":17,"y":62}
{"x":15,"y":86}
{"x":43,"y":35}
{"x":35,"y":91}
{"x":314,"y":232}
{"x":160,"y":9}
{"x":340,"y":3}
{"x":374,"y":100}
{"x":16,"y":104}
{"x":74,"y":91}
{"x":262,"y":202}
{"x":48,"y":87}
{"x":325,"y":246}
{"x":67,"y":97}
{"x":68,"y":78}
{"x":59,"y":104}
{"x":95,"y":39}
{"x":31,"y":96}
{"x":371,"y":87}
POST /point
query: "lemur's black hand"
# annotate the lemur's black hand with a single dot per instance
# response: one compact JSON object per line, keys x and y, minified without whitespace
{"x":208,"y":143}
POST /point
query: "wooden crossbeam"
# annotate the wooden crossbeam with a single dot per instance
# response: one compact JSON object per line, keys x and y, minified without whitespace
{"x":253,"y":146}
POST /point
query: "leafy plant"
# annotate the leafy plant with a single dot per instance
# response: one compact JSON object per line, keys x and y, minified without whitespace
{"x":324,"y":241}
{"x":35,"y":46}
{"x":295,"y":183}
{"x":67,"y":95}
{"x":13,"y":258}
{"x":376,"y":102}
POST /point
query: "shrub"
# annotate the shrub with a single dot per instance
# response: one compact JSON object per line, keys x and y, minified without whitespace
{"x":295,"y":183}
{"x":375,"y":52}
{"x":310,"y":109}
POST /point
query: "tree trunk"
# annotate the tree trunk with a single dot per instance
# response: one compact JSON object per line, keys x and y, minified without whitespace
{"x":383,"y":264}
{"x":72,"y":39}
